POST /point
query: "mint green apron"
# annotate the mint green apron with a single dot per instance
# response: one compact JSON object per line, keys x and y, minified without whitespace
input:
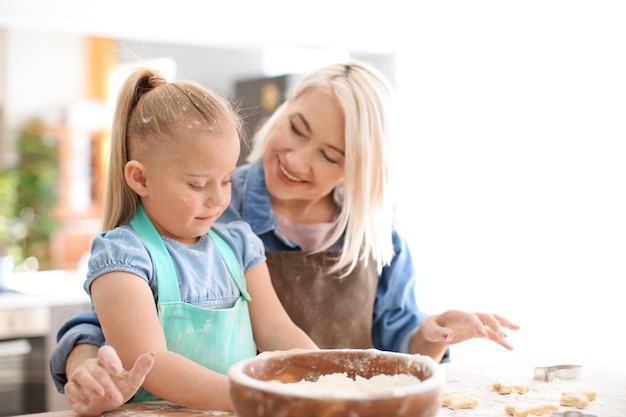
{"x":213,"y":338}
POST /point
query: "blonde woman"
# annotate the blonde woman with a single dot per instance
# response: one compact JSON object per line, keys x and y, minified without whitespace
{"x":317,"y":192}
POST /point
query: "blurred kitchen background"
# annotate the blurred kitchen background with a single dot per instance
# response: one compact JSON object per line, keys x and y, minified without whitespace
{"x":509,"y":160}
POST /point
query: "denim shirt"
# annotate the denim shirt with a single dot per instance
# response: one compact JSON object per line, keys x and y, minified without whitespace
{"x":396,"y":315}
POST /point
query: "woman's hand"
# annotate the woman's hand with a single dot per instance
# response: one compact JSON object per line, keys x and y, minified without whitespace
{"x":102,"y":384}
{"x":456,"y":326}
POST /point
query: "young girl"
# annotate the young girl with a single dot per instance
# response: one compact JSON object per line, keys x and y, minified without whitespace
{"x":163,"y":277}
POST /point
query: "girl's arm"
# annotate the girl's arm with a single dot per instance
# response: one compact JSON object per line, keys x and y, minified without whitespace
{"x":272,"y":327}
{"x":127,"y":312}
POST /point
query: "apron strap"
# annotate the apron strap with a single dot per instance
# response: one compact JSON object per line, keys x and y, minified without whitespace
{"x":163,"y":265}
{"x":168,"y":288}
{"x":228,"y":256}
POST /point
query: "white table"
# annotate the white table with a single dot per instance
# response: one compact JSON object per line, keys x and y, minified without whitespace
{"x":478,"y":364}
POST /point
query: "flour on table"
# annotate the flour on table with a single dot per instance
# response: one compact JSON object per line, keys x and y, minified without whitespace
{"x":161,"y":408}
{"x":532,"y":410}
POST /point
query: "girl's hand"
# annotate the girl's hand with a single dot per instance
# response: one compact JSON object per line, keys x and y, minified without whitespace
{"x":102,"y":384}
{"x":456,"y":326}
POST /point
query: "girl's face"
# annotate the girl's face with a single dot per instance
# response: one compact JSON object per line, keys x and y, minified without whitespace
{"x":188,"y":184}
{"x":304,"y":159}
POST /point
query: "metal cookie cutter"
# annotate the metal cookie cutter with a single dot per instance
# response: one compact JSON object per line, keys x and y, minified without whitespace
{"x":572,"y":414}
{"x":549,"y":373}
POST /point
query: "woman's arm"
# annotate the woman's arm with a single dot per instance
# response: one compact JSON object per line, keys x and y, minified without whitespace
{"x":272,"y":327}
{"x":399,"y":325}
{"x":74,"y":332}
{"x":438,"y":331}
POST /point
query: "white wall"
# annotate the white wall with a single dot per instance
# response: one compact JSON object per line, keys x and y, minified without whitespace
{"x":515,"y":174}
{"x":512,"y":158}
{"x":43,"y":74}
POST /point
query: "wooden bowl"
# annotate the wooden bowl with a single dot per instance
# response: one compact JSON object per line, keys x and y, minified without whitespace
{"x":260,"y":386}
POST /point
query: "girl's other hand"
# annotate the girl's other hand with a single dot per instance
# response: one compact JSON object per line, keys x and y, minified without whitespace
{"x":102,"y":384}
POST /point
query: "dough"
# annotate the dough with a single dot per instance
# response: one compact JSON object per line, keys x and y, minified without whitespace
{"x":341,"y":383}
{"x":455,"y":400}
{"x":578,"y":398}
{"x":535,"y":410}
{"x":504,"y":388}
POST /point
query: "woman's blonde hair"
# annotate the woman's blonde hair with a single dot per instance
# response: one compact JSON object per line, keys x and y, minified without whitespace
{"x":366,"y":218}
{"x":151,"y":112}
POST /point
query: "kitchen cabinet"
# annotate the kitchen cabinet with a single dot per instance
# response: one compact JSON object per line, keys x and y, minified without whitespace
{"x":30,"y":318}
{"x":258,"y":98}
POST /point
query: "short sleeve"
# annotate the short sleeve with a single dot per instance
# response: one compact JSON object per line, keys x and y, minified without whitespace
{"x":119,"y":250}
{"x":246,"y":245}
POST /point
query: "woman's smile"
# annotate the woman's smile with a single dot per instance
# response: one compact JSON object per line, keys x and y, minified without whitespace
{"x":286,"y":176}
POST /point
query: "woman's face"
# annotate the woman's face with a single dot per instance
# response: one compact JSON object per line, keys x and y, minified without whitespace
{"x":304,"y":159}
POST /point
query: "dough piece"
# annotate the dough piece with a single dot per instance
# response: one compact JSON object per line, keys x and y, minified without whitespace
{"x":504,"y":388}
{"x":578,"y":398}
{"x":535,"y":410}
{"x":456,"y":400}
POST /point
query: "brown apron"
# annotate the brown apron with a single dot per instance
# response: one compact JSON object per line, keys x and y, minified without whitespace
{"x":335,"y":312}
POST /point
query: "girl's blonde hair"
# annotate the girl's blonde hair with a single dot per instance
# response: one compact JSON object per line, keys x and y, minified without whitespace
{"x":366,"y":218}
{"x":151,"y":112}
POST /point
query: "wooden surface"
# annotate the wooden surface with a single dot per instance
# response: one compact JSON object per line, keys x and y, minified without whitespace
{"x":150,"y":408}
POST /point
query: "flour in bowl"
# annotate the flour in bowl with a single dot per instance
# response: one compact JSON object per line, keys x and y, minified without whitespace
{"x":341,"y":382}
